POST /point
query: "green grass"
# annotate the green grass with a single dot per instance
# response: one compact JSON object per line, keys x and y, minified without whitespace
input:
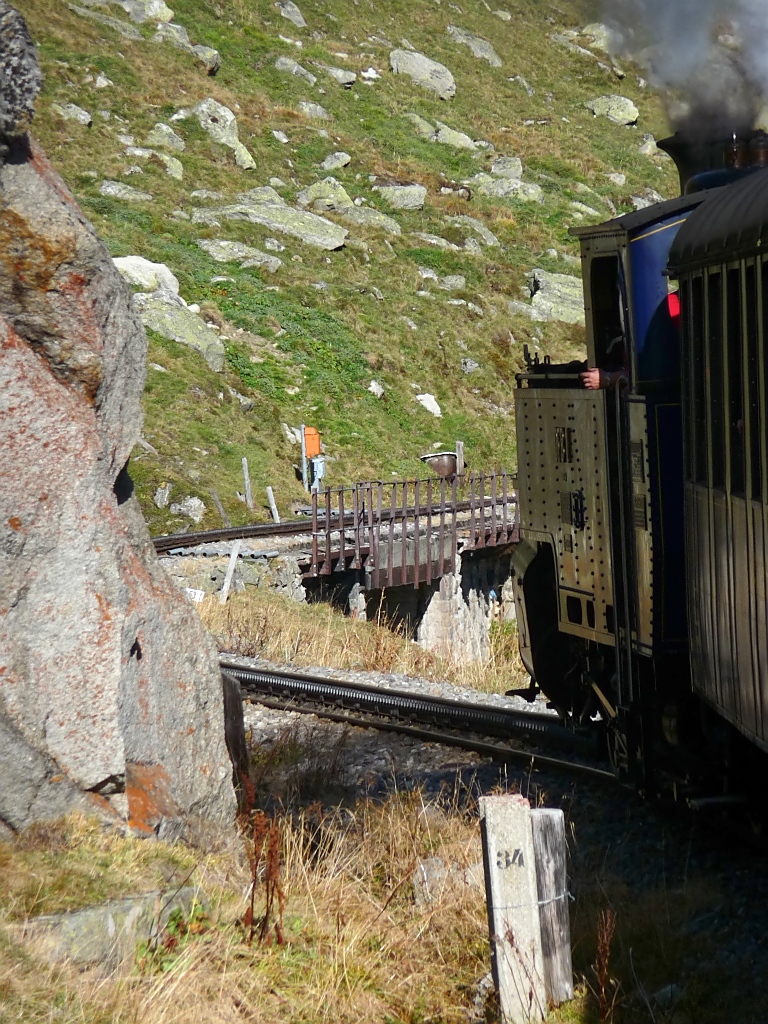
{"x":336,"y":340}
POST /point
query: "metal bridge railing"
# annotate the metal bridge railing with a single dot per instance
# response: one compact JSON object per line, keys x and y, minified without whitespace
{"x":410,"y":531}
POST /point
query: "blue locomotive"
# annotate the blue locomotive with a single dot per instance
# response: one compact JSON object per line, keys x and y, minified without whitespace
{"x":641,"y":575}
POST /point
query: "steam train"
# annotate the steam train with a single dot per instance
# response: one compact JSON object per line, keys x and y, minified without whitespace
{"x":641,"y":576}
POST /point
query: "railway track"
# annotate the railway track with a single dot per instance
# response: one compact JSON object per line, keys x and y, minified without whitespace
{"x":433,"y":719}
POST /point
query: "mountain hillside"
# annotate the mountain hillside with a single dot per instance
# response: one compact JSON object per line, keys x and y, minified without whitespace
{"x":415,"y":299}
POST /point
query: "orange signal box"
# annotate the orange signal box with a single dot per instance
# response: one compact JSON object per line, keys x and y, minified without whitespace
{"x":311,"y":442}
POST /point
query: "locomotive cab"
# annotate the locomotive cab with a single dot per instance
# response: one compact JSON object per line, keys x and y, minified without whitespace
{"x":600,"y":574}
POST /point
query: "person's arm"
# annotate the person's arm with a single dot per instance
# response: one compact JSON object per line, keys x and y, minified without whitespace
{"x":595,"y":379}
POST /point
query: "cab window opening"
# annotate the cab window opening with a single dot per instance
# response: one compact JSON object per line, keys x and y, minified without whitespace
{"x":608,"y":326}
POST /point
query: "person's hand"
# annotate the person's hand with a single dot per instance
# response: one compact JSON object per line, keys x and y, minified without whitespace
{"x":592,"y":379}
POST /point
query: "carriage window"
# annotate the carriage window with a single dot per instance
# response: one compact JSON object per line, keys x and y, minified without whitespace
{"x":753,"y":387}
{"x":715,"y":378}
{"x":735,"y":382}
{"x":607,"y":313}
{"x":699,"y":382}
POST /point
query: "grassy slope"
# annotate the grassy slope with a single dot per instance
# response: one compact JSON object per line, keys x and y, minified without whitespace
{"x":336,"y":340}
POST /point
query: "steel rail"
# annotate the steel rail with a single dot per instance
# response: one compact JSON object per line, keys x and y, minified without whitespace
{"x":449,"y":739}
{"x":288,"y":528}
{"x":406,"y":708}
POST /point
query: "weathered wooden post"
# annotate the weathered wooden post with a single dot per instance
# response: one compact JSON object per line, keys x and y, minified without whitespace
{"x":273,"y":505}
{"x":524,"y":858}
{"x":460,"y":459}
{"x":230,"y":572}
{"x":247,"y":480}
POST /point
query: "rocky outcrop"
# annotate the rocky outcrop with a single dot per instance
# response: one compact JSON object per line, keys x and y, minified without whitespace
{"x":479,"y":48}
{"x":618,"y":109}
{"x":178,"y":36}
{"x":424,"y":71}
{"x":169,"y":316}
{"x":110,"y":694}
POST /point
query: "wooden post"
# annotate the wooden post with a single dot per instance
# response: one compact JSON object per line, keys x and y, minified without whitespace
{"x":552,"y":887}
{"x":247,"y":479}
{"x":513,"y":908}
{"x":273,"y":504}
{"x":220,"y":508}
{"x":460,"y":459}
{"x":230,"y":572}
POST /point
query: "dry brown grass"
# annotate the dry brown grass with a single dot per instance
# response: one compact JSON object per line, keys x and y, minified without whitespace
{"x":357,"y":947}
{"x":258,"y":624}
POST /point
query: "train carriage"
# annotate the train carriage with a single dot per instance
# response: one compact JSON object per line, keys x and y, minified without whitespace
{"x":641,"y":570}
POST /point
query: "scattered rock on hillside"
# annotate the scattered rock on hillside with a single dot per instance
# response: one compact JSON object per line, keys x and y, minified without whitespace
{"x":314,"y":111}
{"x":504,"y":15}
{"x":291,"y":12}
{"x":328,"y":194}
{"x":191,"y":507}
{"x":205,"y":194}
{"x":145,"y":10}
{"x":504,"y":188}
{"x":599,"y":35}
{"x":479,"y":48}
{"x":179,"y":37}
{"x":146,"y":275}
{"x":110,"y":690}
{"x":369,"y":218}
{"x":122,"y":27}
{"x":292,"y":67}
{"x":167,"y":314}
{"x":436,"y":240}
{"x":117,"y":190}
{"x":165,"y":137}
{"x":335,"y":161}
{"x":376,"y":389}
{"x":477,"y":228}
{"x":553,"y":297}
{"x":224,"y":251}
{"x":423,"y":71}
{"x":618,"y":109}
{"x":507,"y":167}
{"x":71,"y":112}
{"x":449,"y":137}
{"x":648,"y":197}
{"x":422,"y":126}
{"x":109,"y":933}
{"x":469,"y":365}
{"x":172,"y":165}
{"x":402,"y":197}
{"x":342,"y":76}
{"x":617,"y":178}
{"x":267,"y":207}
{"x":648,"y":146}
{"x":221,"y":125}
{"x":429,"y":402}
{"x":452,"y":283}
{"x":281,"y":137}
{"x":20,"y":77}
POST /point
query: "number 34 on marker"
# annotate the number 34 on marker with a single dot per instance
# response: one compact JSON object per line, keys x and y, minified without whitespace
{"x":506,"y":859}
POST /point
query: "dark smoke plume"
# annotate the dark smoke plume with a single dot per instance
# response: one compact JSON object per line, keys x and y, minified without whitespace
{"x":710,"y":55}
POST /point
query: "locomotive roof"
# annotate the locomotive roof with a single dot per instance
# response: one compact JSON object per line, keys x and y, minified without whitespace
{"x":630,"y":222}
{"x":733,"y":222}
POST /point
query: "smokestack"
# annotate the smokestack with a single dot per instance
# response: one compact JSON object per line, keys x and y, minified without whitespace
{"x":706,"y":163}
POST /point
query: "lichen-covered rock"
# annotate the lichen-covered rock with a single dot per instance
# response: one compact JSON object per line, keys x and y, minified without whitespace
{"x":507,"y":167}
{"x":178,"y":36}
{"x":292,"y":67}
{"x":224,"y":251}
{"x":328,"y":194}
{"x":424,"y":71}
{"x":556,"y":297}
{"x":145,"y":10}
{"x":119,"y":190}
{"x":20,"y":77}
{"x":477,"y":228}
{"x":221,"y":125}
{"x":291,"y":12}
{"x":368,"y":218}
{"x":618,"y":109}
{"x":164,"y":137}
{"x":314,"y":111}
{"x":265,"y":206}
{"x":71,"y":112}
{"x":335,"y":161}
{"x":403,"y":197}
{"x":121,"y":27}
{"x":505,"y":188}
{"x":146,"y":275}
{"x":342,"y":76}
{"x":422,"y":126}
{"x":478,"y":47}
{"x":450,"y":137}
{"x":167,"y":314}
{"x":110,"y":693}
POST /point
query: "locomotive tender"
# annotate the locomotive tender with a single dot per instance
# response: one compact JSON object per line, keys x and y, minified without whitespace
{"x":641,"y":575}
